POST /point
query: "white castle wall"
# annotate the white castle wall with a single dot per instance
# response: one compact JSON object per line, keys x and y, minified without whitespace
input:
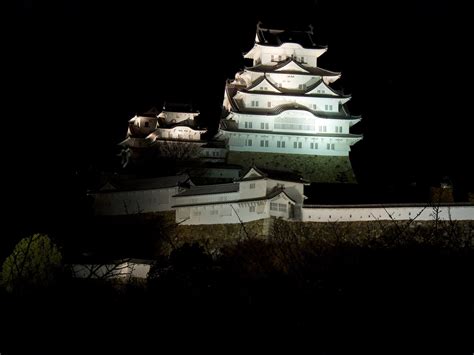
{"x":116,"y":203}
{"x":355,"y":213}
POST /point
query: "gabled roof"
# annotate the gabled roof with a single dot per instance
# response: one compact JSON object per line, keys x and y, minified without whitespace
{"x":122,"y":183}
{"x":298,"y":92}
{"x":292,"y":66}
{"x":276,"y":37}
{"x":305,"y":69}
{"x":255,"y":172}
{"x":210,"y":190}
{"x":263,"y":81}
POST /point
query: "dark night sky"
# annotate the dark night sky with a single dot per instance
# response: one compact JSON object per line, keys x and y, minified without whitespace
{"x":77,"y":71}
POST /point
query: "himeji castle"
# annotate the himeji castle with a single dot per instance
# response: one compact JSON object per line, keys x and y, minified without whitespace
{"x":282,"y":113}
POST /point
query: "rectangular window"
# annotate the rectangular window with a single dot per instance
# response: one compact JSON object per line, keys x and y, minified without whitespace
{"x":302,"y":59}
{"x":262,"y":143}
{"x":252,"y":185}
{"x":248,"y":142}
{"x":262,"y":125}
{"x":314,"y":106}
{"x":300,"y":145}
{"x":295,"y":145}
{"x":283,"y":144}
{"x":267,"y":126}
{"x":313,"y":145}
{"x":273,"y":206}
{"x":266,"y":143}
{"x":328,"y":146}
{"x":147,"y":124}
{"x":214,"y":212}
{"x":273,"y":58}
{"x":252,"y":208}
{"x":278,"y":144}
{"x":300,"y":86}
{"x":326,"y":107}
{"x":256,"y":103}
{"x":282,"y":207}
{"x":269,"y":104}
{"x":279,"y":58}
{"x":333,"y":146}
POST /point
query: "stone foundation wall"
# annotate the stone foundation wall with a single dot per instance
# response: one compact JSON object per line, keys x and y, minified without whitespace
{"x":215,"y":237}
{"x":313,"y":168}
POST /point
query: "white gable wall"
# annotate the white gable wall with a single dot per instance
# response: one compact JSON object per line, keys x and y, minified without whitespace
{"x":292,"y":81}
{"x":253,"y":189}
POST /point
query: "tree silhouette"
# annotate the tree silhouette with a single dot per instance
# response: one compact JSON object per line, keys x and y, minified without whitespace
{"x":33,"y":263}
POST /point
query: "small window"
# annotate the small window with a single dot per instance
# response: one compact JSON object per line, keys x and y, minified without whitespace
{"x":269,"y":104}
{"x":262,"y":143}
{"x":278,"y":144}
{"x":262,"y":125}
{"x":295,"y":145}
{"x":300,"y":145}
{"x":147,"y":124}
{"x":252,"y":185}
{"x":267,"y":126}
{"x":252,"y":208}
{"x":273,"y":206}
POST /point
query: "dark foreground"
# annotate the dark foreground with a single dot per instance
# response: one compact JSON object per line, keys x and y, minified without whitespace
{"x":260,"y":297}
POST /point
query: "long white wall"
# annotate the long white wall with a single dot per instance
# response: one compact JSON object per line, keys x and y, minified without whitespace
{"x":116,"y":203}
{"x":228,"y":213}
{"x":294,"y":121}
{"x":380,"y":213}
{"x":256,"y":100}
{"x":281,"y":143}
